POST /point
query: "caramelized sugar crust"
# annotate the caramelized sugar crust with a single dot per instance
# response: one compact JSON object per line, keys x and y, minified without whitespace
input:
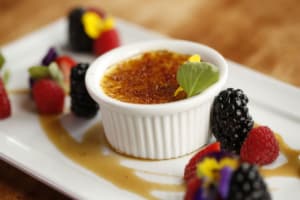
{"x":149,"y":78}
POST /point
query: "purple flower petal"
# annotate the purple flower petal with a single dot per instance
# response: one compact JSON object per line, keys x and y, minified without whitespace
{"x":199,"y":195}
{"x":224,"y":182}
{"x":49,"y":57}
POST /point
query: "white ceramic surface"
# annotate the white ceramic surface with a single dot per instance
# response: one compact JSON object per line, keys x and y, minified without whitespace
{"x":156,"y":131}
{"x":24,"y":144}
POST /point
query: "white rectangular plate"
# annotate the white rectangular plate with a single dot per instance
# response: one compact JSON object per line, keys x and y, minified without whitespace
{"x":24,"y":144}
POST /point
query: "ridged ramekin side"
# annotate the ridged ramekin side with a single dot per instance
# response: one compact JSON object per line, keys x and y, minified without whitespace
{"x":157,"y":137}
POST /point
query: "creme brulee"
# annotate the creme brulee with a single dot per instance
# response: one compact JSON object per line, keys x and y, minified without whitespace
{"x":149,"y":78}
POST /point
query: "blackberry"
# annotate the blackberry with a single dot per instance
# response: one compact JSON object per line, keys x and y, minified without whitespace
{"x":247,"y":184}
{"x":78,"y":39}
{"x":230,"y":120}
{"x":82,"y":104}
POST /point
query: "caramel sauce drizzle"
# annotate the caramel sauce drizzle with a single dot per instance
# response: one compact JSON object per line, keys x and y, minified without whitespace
{"x":108,"y":166}
{"x":19,"y":91}
{"x":291,"y":168}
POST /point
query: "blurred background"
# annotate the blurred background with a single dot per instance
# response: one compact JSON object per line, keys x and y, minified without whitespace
{"x":262,"y":34}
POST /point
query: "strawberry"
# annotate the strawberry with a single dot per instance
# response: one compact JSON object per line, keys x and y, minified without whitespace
{"x":48,"y":96}
{"x":106,"y":41}
{"x":190,"y":168}
{"x":192,"y":186}
{"x":260,"y":146}
{"x":65,"y":63}
{"x":5,"y":109}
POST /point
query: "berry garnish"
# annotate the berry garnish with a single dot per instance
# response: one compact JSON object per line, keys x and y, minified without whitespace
{"x":190,"y":168}
{"x":78,"y":39}
{"x":82,"y":104}
{"x":92,"y":30}
{"x":48,"y":96}
{"x":230,"y":119}
{"x":5,"y":109}
{"x":214,"y":171}
{"x":50,"y":72}
{"x":65,"y":64}
{"x":106,"y":41}
{"x":246,"y":183}
{"x":222,"y":176}
{"x":191,"y":189}
{"x":260,"y":147}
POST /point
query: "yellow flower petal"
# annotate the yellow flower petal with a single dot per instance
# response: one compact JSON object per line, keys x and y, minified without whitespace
{"x":93,"y":24}
{"x":109,"y":23}
{"x":195,"y":58}
{"x":207,"y":168}
{"x":229,"y":162}
{"x":179,"y":89}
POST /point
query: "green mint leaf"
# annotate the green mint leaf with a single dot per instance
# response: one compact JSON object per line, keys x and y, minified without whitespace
{"x":195,"y":77}
{"x":2,"y":61}
{"x":38,"y":72}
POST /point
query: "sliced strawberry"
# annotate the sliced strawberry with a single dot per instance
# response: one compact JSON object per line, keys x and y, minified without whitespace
{"x":48,"y":96}
{"x":5,"y":109}
{"x":66,"y":63}
{"x":191,"y":188}
{"x":190,"y":168}
{"x":106,"y":41}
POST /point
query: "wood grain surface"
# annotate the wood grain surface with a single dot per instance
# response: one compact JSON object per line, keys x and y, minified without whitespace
{"x":263,"y":35}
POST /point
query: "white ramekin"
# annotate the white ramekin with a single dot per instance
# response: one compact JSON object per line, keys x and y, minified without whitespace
{"x":155,"y":131}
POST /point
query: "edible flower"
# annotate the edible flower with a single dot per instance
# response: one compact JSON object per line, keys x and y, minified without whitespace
{"x":210,"y":167}
{"x":94,"y":24}
{"x":216,"y":171}
{"x":195,"y":58}
{"x":207,"y":168}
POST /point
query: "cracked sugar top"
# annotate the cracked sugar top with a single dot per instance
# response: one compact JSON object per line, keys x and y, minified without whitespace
{"x":148,"y":78}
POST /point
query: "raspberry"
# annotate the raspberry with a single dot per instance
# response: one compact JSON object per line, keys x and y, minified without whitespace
{"x":48,"y":96}
{"x":230,"y":119}
{"x":106,"y":41}
{"x":246,"y":183}
{"x":260,"y":147}
{"x":190,"y":168}
{"x":5,"y":109}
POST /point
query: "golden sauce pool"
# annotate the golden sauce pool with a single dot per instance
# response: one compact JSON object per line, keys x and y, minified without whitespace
{"x":149,"y":78}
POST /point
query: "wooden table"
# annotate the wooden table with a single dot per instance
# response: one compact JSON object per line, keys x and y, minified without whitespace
{"x":263,"y":35}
